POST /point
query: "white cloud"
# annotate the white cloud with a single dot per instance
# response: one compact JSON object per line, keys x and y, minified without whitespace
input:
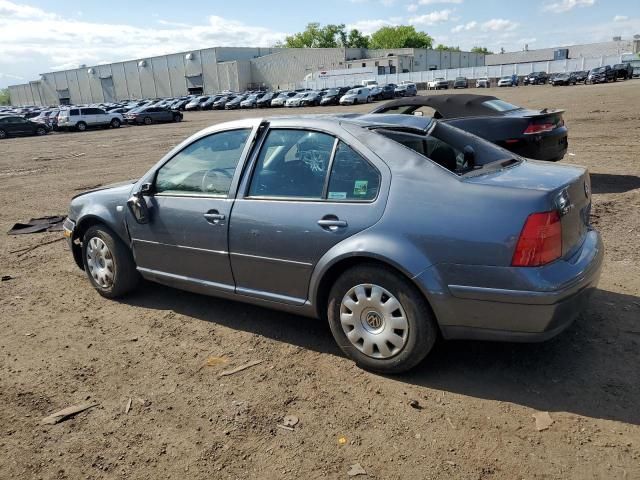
{"x":498,"y":24}
{"x":567,"y":5}
{"x":367,"y":27}
{"x":432,"y":18}
{"x":36,"y":41}
{"x":412,"y":7}
{"x":620,"y":18}
{"x":464,"y":27}
{"x":431,"y":2}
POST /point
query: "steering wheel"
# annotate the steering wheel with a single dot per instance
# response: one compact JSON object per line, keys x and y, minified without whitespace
{"x":315,"y":160}
{"x":216,"y":172}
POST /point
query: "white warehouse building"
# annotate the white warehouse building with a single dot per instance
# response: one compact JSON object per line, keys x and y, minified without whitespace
{"x":213,"y":70}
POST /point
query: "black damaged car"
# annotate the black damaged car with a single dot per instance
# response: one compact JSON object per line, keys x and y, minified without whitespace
{"x":16,"y":126}
{"x":536,"y":134}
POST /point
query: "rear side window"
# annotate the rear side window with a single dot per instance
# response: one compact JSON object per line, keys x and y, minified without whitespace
{"x":292,"y":164}
{"x":74,"y":112}
{"x":352,"y":177}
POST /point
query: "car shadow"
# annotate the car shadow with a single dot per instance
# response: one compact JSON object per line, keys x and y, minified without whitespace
{"x":591,"y":369}
{"x":308,"y":333}
{"x":610,"y":183}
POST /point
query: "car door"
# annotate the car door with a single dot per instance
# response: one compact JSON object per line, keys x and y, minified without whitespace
{"x":291,"y":212}
{"x":15,"y":126}
{"x":190,"y":203}
{"x":87,"y":116}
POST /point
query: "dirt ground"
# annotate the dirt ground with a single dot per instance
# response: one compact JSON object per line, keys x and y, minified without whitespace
{"x":62,"y":344}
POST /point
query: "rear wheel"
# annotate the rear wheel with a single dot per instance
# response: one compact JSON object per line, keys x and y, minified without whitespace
{"x":108,"y":262}
{"x":81,"y":126}
{"x":3,"y":134}
{"x":115,"y":123}
{"x":41,"y":131}
{"x":177,"y":118}
{"x":380,"y":320}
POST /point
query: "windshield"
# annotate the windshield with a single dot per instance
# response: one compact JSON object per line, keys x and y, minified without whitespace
{"x":252,"y":97}
{"x":598,"y":70}
{"x":506,"y":78}
{"x":460,"y":78}
{"x":353,"y":91}
{"x":283,"y":95}
{"x":500,"y":105}
{"x":332,"y":91}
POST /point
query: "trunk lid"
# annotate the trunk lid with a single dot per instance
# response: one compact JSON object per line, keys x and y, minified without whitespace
{"x":565,"y":188}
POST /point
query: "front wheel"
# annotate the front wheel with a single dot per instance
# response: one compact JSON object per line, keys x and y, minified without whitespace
{"x":41,"y":131}
{"x":115,"y":123}
{"x":380,"y":320}
{"x":108,"y":262}
{"x":81,"y":126}
{"x":177,"y":118}
{"x":147,"y":121}
{"x":3,"y":134}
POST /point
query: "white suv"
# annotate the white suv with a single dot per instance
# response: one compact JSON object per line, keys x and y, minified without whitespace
{"x":84,"y":117}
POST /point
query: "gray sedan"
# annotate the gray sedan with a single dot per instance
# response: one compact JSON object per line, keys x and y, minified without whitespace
{"x":394,"y":228}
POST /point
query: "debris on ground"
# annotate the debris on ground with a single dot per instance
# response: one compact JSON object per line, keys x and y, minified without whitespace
{"x":128,"y":407}
{"x":543,"y":420}
{"x":342,"y":440}
{"x":290,"y":421}
{"x":239,"y":369}
{"x":356,"y":469}
{"x":66,"y":413}
{"x":415,"y":404}
{"x":6,"y":278}
{"x":51,"y":223}
{"x":284,"y":427}
{"x":23,"y":251}
{"x":212,"y":361}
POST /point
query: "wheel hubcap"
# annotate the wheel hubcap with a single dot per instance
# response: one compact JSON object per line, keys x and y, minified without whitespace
{"x":100,"y":262}
{"x":374,"y":321}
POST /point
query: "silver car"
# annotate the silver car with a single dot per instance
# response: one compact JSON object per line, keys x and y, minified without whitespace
{"x":396,"y":229}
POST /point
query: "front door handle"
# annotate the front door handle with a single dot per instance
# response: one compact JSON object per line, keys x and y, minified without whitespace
{"x":332,"y":223}
{"x":213,"y":216}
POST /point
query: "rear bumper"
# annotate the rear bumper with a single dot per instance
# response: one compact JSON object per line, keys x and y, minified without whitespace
{"x":551,"y":146}
{"x":557,"y":294}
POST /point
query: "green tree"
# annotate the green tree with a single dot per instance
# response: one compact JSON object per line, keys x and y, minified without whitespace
{"x":447,"y":49}
{"x":482,"y":50}
{"x":4,"y":96}
{"x":402,"y":36}
{"x":356,"y":39}
{"x":329,"y":36}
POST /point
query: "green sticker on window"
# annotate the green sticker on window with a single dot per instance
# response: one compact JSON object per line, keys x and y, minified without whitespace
{"x":360,"y":188}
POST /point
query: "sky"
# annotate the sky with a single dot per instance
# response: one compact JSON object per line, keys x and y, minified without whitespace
{"x":38,"y":36}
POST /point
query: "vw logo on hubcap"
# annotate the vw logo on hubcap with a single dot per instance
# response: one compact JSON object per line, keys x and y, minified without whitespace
{"x":374,"y":320}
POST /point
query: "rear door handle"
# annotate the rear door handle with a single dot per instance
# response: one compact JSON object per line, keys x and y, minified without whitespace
{"x":332,"y":224}
{"x":213,"y":216}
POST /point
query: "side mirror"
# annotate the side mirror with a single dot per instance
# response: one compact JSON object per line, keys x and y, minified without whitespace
{"x":469,"y":156}
{"x":138,"y":204}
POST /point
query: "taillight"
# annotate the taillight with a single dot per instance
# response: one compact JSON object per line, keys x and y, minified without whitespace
{"x":539,"y":128}
{"x":540,"y":241}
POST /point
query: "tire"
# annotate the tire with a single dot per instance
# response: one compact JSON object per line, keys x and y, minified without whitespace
{"x":115,"y":123}
{"x":123,"y":274}
{"x":3,"y":135}
{"x":41,"y":131}
{"x":177,"y":118}
{"x":413,"y":318}
{"x":81,"y":126}
{"x":147,"y":121}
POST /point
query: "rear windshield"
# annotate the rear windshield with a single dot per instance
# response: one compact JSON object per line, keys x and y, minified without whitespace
{"x":445,"y":146}
{"x":500,"y":105}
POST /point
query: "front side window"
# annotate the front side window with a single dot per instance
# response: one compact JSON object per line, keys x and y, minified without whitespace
{"x":352,"y":177}
{"x":292,"y":163}
{"x":205,"y":167}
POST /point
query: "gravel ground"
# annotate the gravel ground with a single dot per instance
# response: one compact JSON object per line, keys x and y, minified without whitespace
{"x":63,"y":344}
